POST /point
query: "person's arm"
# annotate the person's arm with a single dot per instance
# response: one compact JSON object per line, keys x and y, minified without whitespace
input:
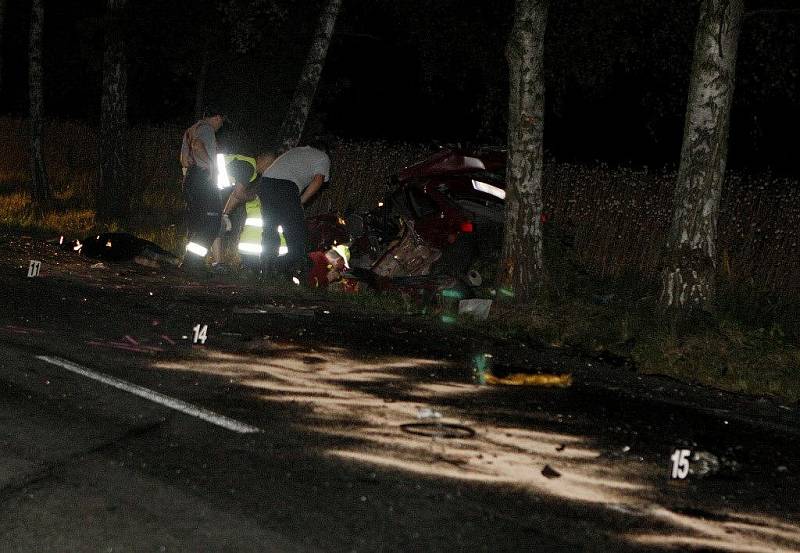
{"x":239,"y":196}
{"x":313,"y":188}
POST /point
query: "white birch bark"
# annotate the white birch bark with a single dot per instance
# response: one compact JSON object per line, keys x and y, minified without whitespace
{"x":688,"y":275}
{"x":521,"y":267}
{"x":295,"y":119}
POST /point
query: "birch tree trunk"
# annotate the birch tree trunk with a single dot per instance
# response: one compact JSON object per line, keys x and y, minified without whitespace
{"x":521,"y":266}
{"x":41,"y":195}
{"x":113,"y":195}
{"x":690,"y":262}
{"x":295,"y":119}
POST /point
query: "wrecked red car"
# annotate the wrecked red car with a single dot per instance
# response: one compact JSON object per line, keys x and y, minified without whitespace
{"x":454,"y":199}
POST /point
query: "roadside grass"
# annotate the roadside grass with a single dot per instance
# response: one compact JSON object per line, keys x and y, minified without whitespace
{"x":617,"y":319}
{"x":602,"y":251}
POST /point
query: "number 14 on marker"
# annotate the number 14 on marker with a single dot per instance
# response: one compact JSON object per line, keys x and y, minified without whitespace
{"x":200,"y":334}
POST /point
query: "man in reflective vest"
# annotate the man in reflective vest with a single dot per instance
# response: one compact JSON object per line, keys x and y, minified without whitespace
{"x":203,"y":205}
{"x":245,"y":191}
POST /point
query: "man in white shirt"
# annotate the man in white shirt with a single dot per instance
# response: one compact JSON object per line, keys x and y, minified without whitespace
{"x":286,"y":186}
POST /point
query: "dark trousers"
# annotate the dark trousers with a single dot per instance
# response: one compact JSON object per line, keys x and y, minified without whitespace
{"x":203,"y":207}
{"x":280,"y":206}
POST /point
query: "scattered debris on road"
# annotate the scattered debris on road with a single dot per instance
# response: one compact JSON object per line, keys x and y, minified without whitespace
{"x":520,"y":379}
{"x":550,"y":472}
{"x":438,"y":430}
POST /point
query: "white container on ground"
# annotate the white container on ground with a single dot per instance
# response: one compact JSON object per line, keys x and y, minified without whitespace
{"x":475,"y":308}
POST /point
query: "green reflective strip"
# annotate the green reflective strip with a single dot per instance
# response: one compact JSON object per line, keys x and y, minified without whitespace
{"x":452,"y":294}
{"x":448,"y":319}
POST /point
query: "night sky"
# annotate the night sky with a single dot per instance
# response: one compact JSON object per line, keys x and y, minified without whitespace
{"x":617,"y":73}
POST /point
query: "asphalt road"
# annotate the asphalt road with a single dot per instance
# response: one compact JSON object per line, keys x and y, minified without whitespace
{"x":284,"y":432}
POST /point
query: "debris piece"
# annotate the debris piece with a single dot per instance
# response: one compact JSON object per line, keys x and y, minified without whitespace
{"x":428,"y":413}
{"x":475,"y":307}
{"x":703,"y":463}
{"x":474,"y":278}
{"x":520,"y":379}
{"x":100,"y":265}
{"x":550,"y":472}
{"x":561,"y":447}
{"x":438,"y":430}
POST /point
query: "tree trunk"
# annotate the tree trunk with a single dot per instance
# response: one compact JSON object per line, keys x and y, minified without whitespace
{"x":41,"y":195}
{"x":200,"y":89}
{"x":688,"y":276}
{"x":113,"y":195}
{"x":295,"y":120}
{"x":2,"y":20}
{"x":521,"y":265}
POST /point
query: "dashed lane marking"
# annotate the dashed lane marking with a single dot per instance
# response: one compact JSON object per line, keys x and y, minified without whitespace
{"x":147,"y":393}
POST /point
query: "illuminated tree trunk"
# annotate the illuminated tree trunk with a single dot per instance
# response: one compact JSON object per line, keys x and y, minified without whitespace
{"x":41,"y":194}
{"x":113,"y":197}
{"x":521,"y":266}
{"x":688,"y":276}
{"x":295,"y":120}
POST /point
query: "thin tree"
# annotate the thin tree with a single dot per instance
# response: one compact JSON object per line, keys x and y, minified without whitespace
{"x":2,"y":20}
{"x":41,"y":194}
{"x":113,"y":194}
{"x":200,"y":87}
{"x":295,"y":119}
{"x":522,"y":269}
{"x":690,"y":262}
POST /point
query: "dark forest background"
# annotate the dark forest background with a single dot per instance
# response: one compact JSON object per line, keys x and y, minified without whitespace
{"x":617,"y":72}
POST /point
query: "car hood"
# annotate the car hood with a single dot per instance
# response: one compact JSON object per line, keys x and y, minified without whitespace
{"x":450,"y":161}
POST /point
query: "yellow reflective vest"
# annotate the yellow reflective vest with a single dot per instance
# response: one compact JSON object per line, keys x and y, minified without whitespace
{"x":248,"y":159}
{"x":250,"y":239}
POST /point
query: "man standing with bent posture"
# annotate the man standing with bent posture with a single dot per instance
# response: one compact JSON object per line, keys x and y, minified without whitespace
{"x":288,"y":184}
{"x":203,"y":204}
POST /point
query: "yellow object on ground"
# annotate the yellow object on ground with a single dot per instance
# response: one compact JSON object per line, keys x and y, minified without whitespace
{"x":519,"y":379}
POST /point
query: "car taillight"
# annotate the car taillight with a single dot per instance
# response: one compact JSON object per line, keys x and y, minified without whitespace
{"x":466,"y":226}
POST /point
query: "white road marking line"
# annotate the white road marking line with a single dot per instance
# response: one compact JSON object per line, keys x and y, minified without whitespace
{"x":147,"y":393}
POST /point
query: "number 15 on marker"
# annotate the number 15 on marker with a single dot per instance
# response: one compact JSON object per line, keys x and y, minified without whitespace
{"x":680,"y":463}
